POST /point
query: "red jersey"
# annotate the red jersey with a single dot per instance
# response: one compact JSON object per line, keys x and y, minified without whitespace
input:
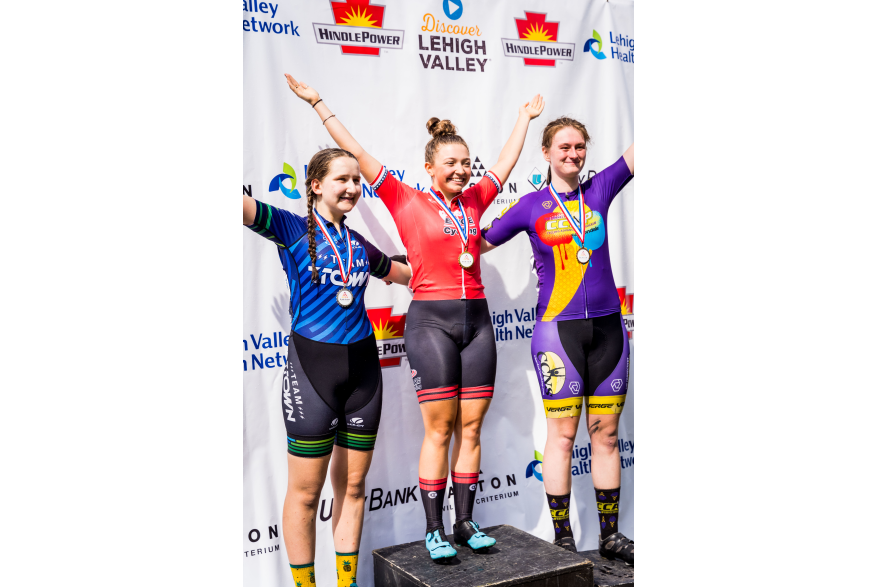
{"x":431,"y":238}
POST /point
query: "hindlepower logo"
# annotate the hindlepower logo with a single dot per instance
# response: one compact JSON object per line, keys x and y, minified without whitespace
{"x":359,"y":29}
{"x":595,"y":46}
{"x":277,"y":182}
{"x":537,"y":41}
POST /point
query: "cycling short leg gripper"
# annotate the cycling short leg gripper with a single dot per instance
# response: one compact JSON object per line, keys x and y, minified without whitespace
{"x":438,"y":393}
{"x":465,"y":485}
{"x":310,"y":448}
{"x":432,"y":492}
{"x":559,"y":507}
{"x":607,"y":510}
{"x":481,"y":392}
{"x":303,"y":575}
{"x":356,"y":441}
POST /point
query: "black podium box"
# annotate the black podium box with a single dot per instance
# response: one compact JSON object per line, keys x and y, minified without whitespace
{"x":609,"y":573}
{"x":518,"y":559}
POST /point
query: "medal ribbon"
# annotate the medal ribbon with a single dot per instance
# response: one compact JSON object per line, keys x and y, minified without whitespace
{"x":578,"y":227}
{"x":462,"y":230}
{"x":345,"y":273}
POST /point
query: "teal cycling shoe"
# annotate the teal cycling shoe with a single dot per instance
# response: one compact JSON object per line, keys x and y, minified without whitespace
{"x":438,"y":546}
{"x":467,"y":533}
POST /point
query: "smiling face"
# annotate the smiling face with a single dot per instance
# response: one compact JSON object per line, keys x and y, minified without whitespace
{"x":340,"y":189}
{"x":451,"y":169}
{"x":567,"y":153}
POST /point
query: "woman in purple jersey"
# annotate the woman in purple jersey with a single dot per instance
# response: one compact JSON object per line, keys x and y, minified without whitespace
{"x":580,"y":347}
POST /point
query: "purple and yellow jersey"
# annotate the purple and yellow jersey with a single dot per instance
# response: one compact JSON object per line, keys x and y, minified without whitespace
{"x":568,"y":290}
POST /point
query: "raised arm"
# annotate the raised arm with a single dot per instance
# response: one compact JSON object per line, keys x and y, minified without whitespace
{"x":512,"y":149}
{"x":628,"y":158}
{"x":342,"y":137}
{"x":249,"y":210}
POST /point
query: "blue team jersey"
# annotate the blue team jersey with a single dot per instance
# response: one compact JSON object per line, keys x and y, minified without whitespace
{"x":315,"y":313}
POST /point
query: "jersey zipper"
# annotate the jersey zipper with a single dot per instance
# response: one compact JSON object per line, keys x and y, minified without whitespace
{"x":463,"y":279}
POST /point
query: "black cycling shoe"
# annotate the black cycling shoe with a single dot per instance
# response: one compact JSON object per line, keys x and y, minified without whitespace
{"x":617,"y":546}
{"x":566,"y":543}
{"x":467,"y":533}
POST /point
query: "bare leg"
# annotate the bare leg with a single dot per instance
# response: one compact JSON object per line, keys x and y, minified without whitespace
{"x":466,"y":456}
{"x":438,"y":420}
{"x":557,"y":458}
{"x":605,"y":459}
{"x":306,"y":477}
{"x":348,"y":471}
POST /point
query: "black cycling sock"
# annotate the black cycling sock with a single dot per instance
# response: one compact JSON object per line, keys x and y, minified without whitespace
{"x":607,"y":510}
{"x":465,"y":485}
{"x":559,"y":505}
{"x":432,"y":492}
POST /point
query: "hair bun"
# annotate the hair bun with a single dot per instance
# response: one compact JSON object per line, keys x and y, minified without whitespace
{"x":438,"y":127}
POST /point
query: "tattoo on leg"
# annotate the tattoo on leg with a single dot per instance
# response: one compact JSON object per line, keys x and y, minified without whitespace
{"x":594,"y":427}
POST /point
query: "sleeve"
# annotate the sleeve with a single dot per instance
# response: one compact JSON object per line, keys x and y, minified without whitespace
{"x":379,"y":263}
{"x":486,"y":190}
{"x":391,"y":191}
{"x":514,"y":219}
{"x":613,"y":179}
{"x":277,"y":225}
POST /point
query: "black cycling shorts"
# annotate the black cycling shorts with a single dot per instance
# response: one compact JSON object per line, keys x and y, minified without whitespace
{"x":578,"y":359}
{"x":451,"y":349}
{"x":332,"y":394}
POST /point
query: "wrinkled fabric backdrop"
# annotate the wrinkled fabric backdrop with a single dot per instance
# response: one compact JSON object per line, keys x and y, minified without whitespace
{"x":384,"y":69}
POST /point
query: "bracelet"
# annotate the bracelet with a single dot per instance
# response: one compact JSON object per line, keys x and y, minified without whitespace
{"x":317,"y":102}
{"x":327,"y":118}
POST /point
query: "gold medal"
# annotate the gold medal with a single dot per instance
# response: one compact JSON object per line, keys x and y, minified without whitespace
{"x":344,"y":297}
{"x":466,"y":259}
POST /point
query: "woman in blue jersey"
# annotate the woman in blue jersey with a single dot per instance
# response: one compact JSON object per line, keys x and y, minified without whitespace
{"x":579,"y":345}
{"x":332,"y":385}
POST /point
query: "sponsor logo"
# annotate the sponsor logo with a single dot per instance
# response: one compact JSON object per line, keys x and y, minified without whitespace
{"x":534,"y":469}
{"x":389,"y":331}
{"x":612,"y":404}
{"x":473,"y":486}
{"x":257,"y":8}
{"x":626,"y":300}
{"x":451,"y":53}
{"x":595,"y":46}
{"x":561,"y":409}
{"x":417,"y":384}
{"x":277,"y":182}
{"x":607,"y":507}
{"x":257,"y":537}
{"x":537,"y":42}
{"x":358,"y":29}
{"x":575,"y":387}
{"x":554,"y":229}
{"x":432,"y":495}
{"x":414,"y":373}
{"x":356,"y":420}
{"x":334,"y":423}
{"x":560,"y":514}
{"x":453,"y":9}
{"x":616,"y":384}
{"x":536,"y":179}
{"x":553,"y":372}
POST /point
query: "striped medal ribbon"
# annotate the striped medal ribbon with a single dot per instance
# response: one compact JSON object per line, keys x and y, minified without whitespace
{"x":344,"y":297}
{"x":466,"y":259}
{"x":583,"y":255}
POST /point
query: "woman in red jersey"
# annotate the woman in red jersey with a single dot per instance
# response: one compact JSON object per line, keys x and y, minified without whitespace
{"x":449,"y":336}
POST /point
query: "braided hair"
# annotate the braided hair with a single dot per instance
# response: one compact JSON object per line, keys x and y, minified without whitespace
{"x":318,"y":169}
{"x":555,"y":125}
{"x":443,"y":133}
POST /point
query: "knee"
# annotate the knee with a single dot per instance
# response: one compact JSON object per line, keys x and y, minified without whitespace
{"x":307,"y":495}
{"x":355,"y":485}
{"x":439,"y":434}
{"x":562,"y":442}
{"x":604,"y":439}
{"x":471,"y":433}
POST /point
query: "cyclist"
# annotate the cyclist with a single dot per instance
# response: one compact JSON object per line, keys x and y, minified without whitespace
{"x":579,"y":346}
{"x":449,"y":337}
{"x":332,"y":387}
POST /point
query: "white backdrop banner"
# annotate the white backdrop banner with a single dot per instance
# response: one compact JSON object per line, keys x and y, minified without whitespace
{"x":384,"y":70}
